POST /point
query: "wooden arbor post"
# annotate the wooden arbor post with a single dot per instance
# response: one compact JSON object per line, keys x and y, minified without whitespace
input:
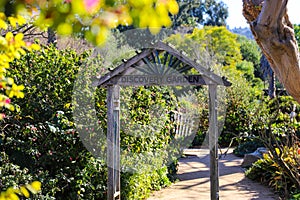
{"x":113,"y":142}
{"x":213,"y":142}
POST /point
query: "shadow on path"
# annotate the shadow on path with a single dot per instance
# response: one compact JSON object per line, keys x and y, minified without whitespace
{"x":194,"y":181}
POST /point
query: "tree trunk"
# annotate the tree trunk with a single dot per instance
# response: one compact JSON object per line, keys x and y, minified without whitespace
{"x":51,"y":37}
{"x":275,"y":35}
{"x":272,"y":86}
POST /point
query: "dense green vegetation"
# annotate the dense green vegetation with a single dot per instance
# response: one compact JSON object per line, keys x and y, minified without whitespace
{"x":39,"y":140}
{"x":43,"y":142}
{"x":203,"y":12}
{"x":276,"y":130}
{"x":232,"y":56}
{"x":252,"y":119}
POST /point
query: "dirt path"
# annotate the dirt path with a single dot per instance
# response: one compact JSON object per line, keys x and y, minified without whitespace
{"x":194,"y":180}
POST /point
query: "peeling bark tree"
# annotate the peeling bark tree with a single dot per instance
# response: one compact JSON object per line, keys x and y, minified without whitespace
{"x":275,"y":35}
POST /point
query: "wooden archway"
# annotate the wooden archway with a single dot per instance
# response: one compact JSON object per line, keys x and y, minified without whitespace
{"x":120,"y":76}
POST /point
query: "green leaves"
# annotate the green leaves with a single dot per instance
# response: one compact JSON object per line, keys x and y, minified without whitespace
{"x":229,"y":55}
{"x":44,"y":131}
{"x":48,"y":77}
{"x":220,"y":41}
{"x":145,"y":114}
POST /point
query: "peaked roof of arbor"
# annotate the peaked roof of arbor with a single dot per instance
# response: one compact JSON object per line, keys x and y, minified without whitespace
{"x":176,"y":60}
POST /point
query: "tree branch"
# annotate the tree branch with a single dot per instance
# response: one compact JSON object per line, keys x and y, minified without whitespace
{"x":274,"y":33}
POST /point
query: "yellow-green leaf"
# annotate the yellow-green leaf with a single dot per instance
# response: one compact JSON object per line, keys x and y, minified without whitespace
{"x":24,"y":191}
{"x":64,"y":29}
{"x":3,"y":25}
{"x":36,"y":185}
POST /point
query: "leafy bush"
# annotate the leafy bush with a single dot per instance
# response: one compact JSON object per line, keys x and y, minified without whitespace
{"x":263,"y":170}
{"x":278,"y":131}
{"x":145,"y":119}
{"x":268,"y":171}
{"x":146,"y":131}
{"x":199,"y":138}
{"x":48,"y":76}
{"x":12,"y":176}
{"x":139,"y":185}
{"x":295,"y":196}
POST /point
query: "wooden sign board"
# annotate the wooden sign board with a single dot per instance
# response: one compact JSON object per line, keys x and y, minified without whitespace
{"x":168,"y":80}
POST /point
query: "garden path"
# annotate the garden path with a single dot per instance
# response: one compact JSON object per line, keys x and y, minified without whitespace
{"x":194,"y":181}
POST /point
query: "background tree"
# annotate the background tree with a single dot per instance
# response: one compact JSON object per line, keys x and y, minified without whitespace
{"x":250,"y":51}
{"x":200,"y":12}
{"x":216,"y":13}
{"x":297,"y":33}
{"x":188,"y":14}
{"x":219,"y":49}
{"x":220,"y":42}
{"x":275,"y":35}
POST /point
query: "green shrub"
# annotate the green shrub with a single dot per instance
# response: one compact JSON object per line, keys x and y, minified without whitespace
{"x":295,"y":196}
{"x":269,"y":172}
{"x":11,"y":174}
{"x":199,"y":138}
{"x":48,"y":76}
{"x":139,"y":185}
{"x":278,"y":132}
{"x":146,"y":132}
{"x":145,"y":120}
{"x":14,"y":176}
